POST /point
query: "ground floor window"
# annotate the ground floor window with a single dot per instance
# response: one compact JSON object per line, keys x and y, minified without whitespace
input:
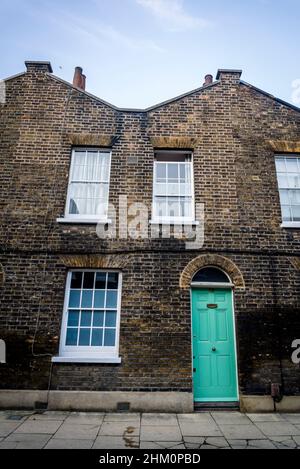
{"x":91,"y":318}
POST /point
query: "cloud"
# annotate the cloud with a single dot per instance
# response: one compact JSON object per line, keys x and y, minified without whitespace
{"x":296,"y":92}
{"x":95,"y":31}
{"x":172,"y":13}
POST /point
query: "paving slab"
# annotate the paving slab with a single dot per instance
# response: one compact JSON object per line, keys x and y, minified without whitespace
{"x":261,"y":444}
{"x":122,"y":417}
{"x":57,"y":443}
{"x":28,"y":438}
{"x":243,"y":432}
{"x":119,"y":429}
{"x":292,"y":418}
{"x":266,"y":418}
{"x":237,"y":444}
{"x":8,"y":445}
{"x":278,"y":428}
{"x":193,"y":442}
{"x":199,"y":428}
{"x":159,"y":419}
{"x":77,"y":432}
{"x":84,"y":418}
{"x":230,"y":418}
{"x":49,"y":415}
{"x":218,"y":442}
{"x":116,"y":442}
{"x":160,"y":433}
{"x":297,"y":439}
{"x":203,"y":417}
{"x":170,"y":444}
{"x":149,"y":445}
{"x":8,"y":426}
{"x":39,"y":426}
{"x":284,"y":442}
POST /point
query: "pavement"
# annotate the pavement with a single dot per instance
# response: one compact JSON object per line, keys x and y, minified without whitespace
{"x":207,"y":430}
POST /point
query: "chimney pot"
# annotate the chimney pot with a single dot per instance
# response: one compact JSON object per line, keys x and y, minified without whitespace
{"x":79,"y":79}
{"x":208,"y":80}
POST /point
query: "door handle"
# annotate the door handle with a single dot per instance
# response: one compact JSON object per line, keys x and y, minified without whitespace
{"x":194,"y":370}
{"x":214,"y":349}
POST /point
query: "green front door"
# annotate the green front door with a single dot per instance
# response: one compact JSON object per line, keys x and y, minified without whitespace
{"x":214,"y":356}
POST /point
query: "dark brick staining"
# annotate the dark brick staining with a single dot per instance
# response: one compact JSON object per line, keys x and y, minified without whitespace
{"x":235,"y":178}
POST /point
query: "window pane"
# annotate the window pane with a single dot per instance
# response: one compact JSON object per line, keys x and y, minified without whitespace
{"x":182,"y":171}
{"x":296,"y":212}
{"x":284,"y":197}
{"x":295,"y":197}
{"x":172,"y":170}
{"x":294,"y":180}
{"x":76,"y":280}
{"x":110,"y":318}
{"x":173,"y":207}
{"x":74,"y":299}
{"x":161,"y":189}
{"x":161,"y":207}
{"x":84,"y":337}
{"x":87,"y":299}
{"x":86,"y":319}
{"x":97,"y":337}
{"x":292,"y":165}
{"x":280,"y":165}
{"x":98,"y":320}
{"x":111,"y":299}
{"x":283,"y":181}
{"x":173,"y":189}
{"x":100,"y":280}
{"x":286,"y":213}
{"x":73,"y":319}
{"x":88,"y":280}
{"x":161,"y":171}
{"x":99,"y":299}
{"x":112,"y":281}
{"x":109,"y":337}
{"x":71,"y":338}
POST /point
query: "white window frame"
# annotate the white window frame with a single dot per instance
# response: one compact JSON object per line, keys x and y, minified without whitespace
{"x":90,"y":354}
{"x":79,"y":218}
{"x":173,"y":220}
{"x":286,"y":224}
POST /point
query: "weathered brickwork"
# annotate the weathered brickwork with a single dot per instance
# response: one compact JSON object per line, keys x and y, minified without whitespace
{"x":233,"y":130}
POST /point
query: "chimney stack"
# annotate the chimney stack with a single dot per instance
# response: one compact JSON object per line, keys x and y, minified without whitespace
{"x":208,"y":80}
{"x":79,"y":79}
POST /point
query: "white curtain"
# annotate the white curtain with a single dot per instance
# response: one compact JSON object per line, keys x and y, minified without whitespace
{"x":89,"y":183}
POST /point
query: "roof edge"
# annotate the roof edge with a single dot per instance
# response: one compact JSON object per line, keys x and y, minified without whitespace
{"x":271,"y":96}
{"x":151,"y":108}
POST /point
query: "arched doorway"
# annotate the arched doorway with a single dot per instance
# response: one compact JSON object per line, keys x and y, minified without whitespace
{"x":213,"y":337}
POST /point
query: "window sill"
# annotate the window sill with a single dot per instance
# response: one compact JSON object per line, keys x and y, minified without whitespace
{"x":175,"y":222}
{"x":84,"y":221}
{"x":290,"y":224}
{"x":112,"y":360}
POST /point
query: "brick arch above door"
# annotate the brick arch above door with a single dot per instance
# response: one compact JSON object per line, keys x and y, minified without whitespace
{"x":213,"y":260}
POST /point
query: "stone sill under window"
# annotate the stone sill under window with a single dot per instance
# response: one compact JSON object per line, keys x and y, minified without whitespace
{"x":175,"y":222}
{"x":290,"y":224}
{"x":109,"y":360}
{"x":84,"y":221}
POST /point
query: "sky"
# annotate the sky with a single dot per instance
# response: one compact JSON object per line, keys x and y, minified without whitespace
{"x":137,"y":53}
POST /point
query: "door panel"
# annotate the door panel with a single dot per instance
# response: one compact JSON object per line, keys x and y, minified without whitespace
{"x":214,"y":357}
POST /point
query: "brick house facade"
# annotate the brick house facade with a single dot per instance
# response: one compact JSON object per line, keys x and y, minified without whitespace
{"x":234,"y":133}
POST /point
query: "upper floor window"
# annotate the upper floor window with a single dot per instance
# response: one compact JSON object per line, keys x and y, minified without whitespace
{"x":91,"y":318}
{"x":88,"y":184}
{"x":288,"y":175}
{"x":173,"y":195}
